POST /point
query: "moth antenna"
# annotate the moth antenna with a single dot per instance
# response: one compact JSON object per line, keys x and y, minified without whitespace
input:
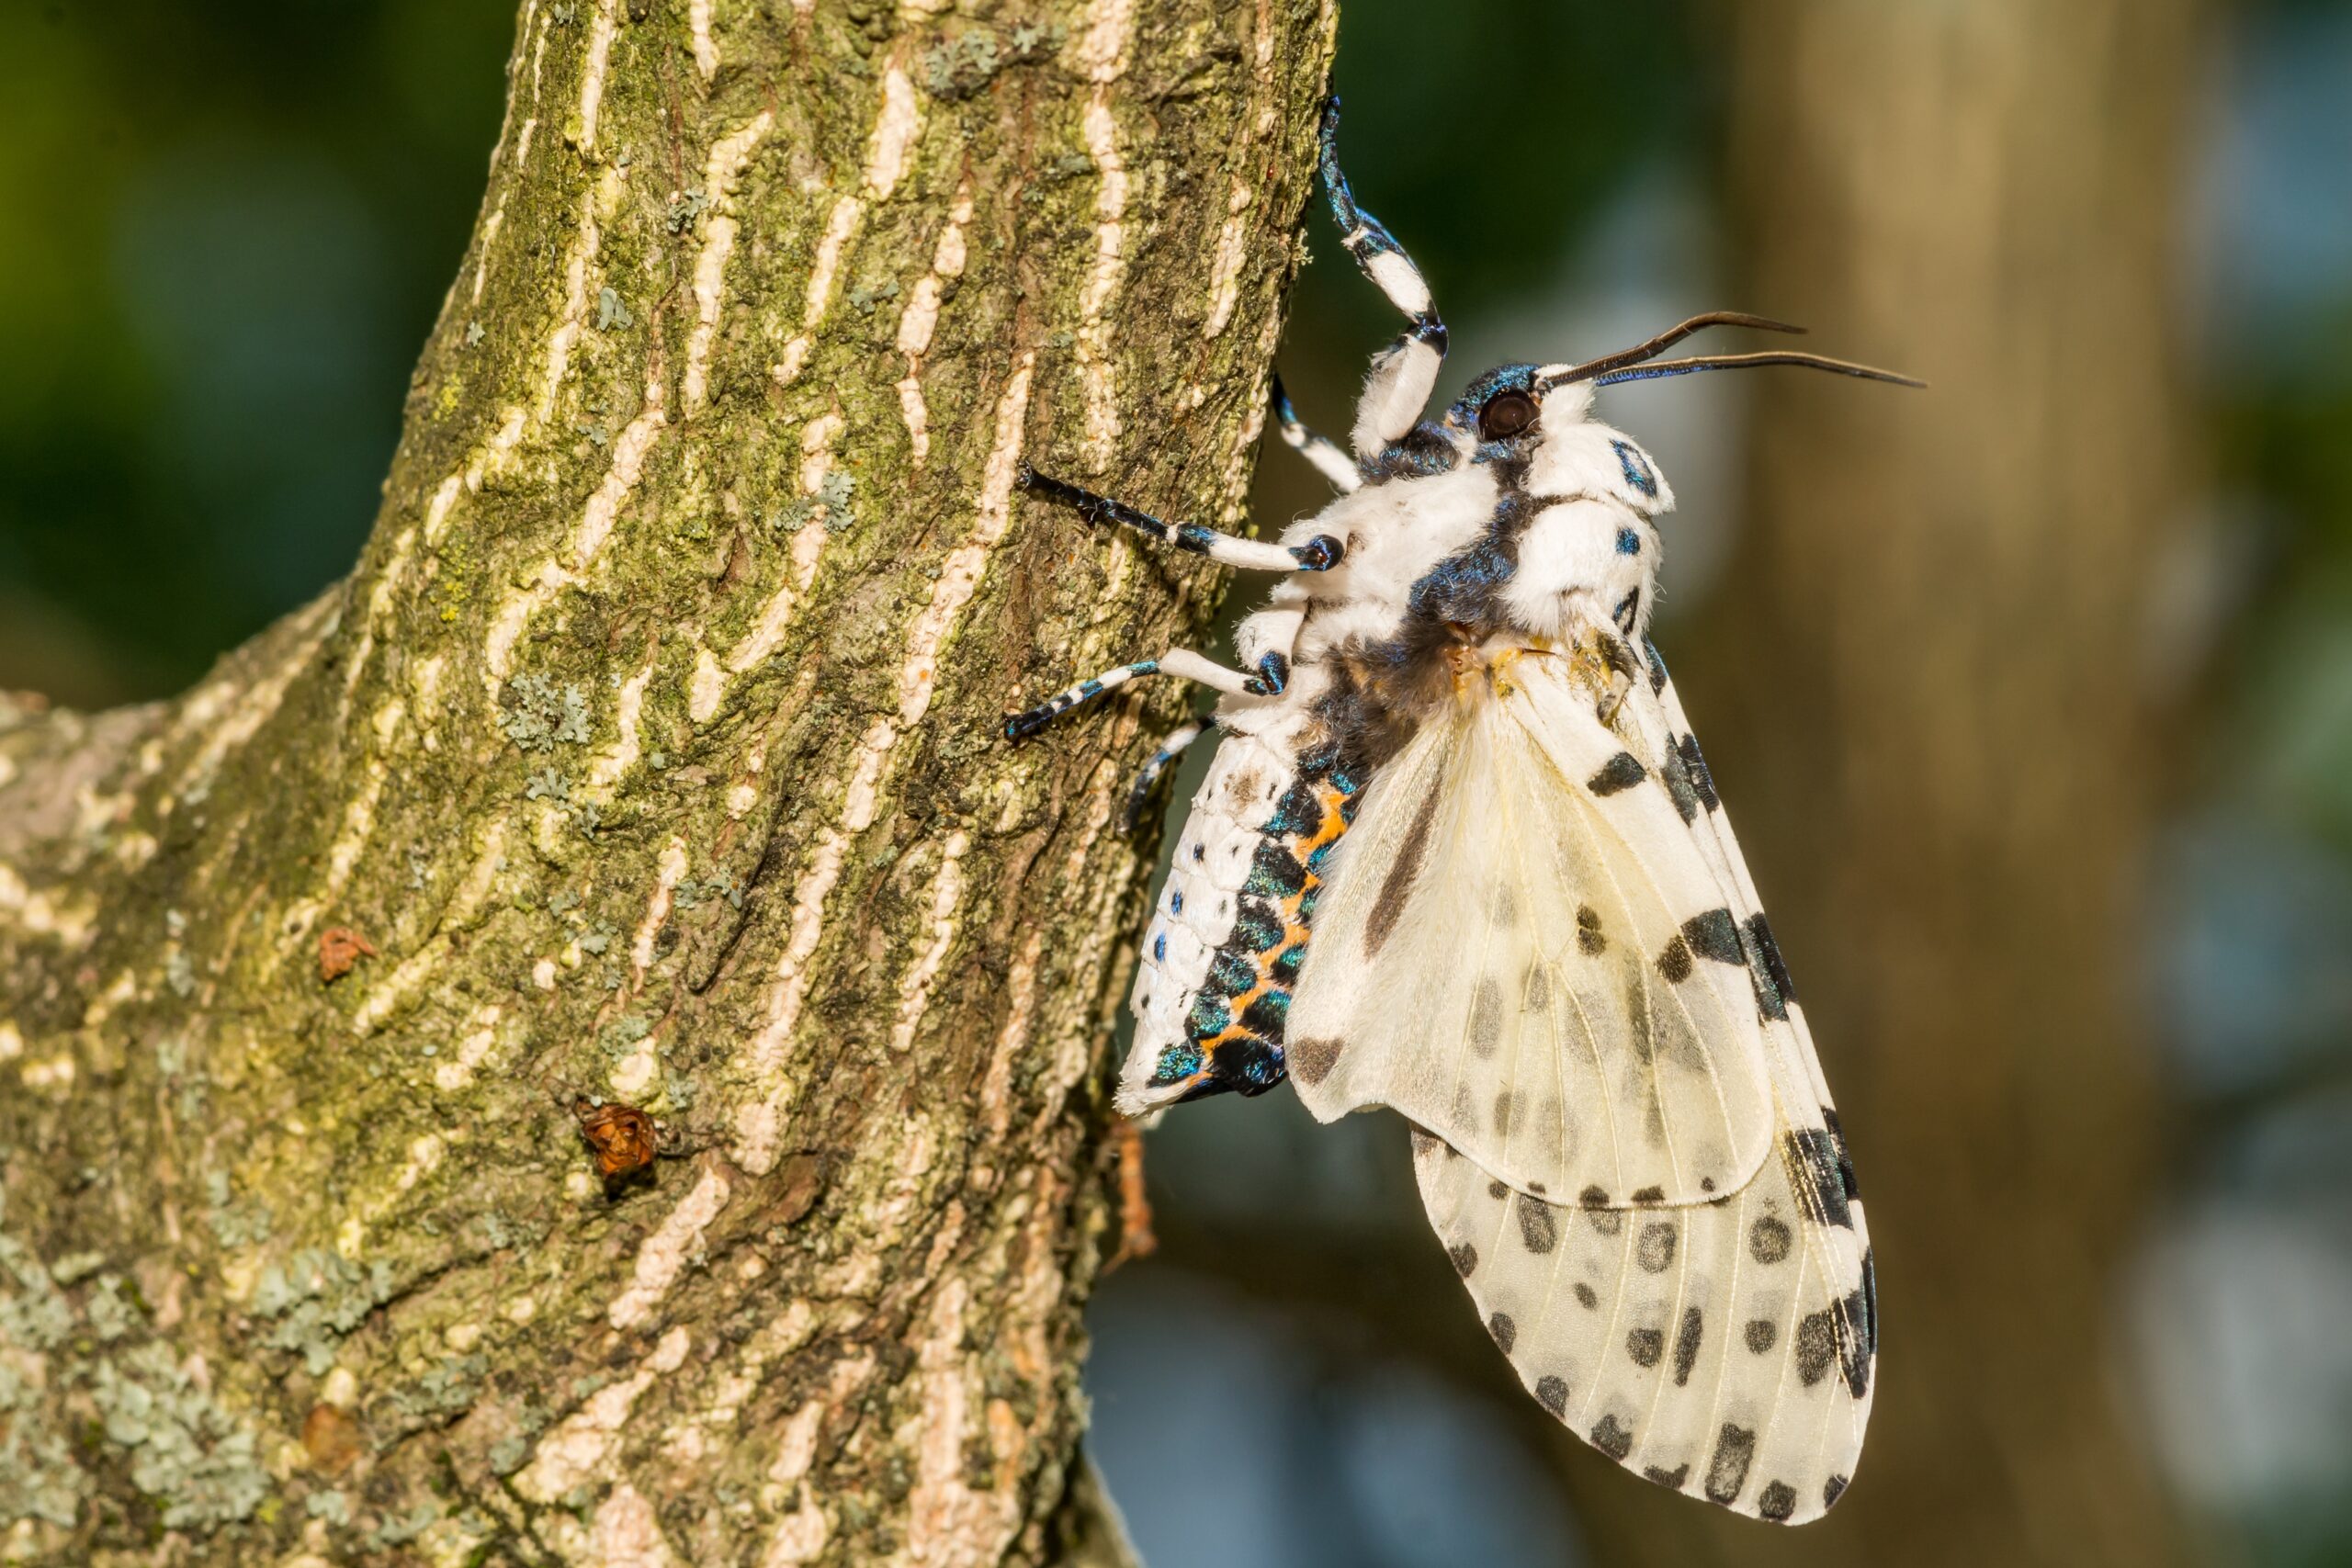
{"x":1747,"y":361}
{"x":1665,"y":340}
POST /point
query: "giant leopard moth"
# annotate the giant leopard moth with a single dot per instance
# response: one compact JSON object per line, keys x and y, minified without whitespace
{"x":1452,"y":758}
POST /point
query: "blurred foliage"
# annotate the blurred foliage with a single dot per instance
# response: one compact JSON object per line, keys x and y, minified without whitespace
{"x":232,"y":227}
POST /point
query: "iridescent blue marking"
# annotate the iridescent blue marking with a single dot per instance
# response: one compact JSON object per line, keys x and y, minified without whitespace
{"x":1177,"y":1063}
{"x":1459,"y":587}
{"x":1637,"y":470}
{"x":1175,"y":903}
{"x":1628,"y":542}
{"x":1160,"y":947}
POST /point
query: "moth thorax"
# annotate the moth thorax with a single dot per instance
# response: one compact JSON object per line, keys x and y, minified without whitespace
{"x":1489,"y":667}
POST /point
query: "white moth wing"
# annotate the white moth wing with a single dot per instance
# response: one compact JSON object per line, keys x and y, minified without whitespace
{"x":1728,"y":1349}
{"x":1524,"y":950}
{"x":1720,"y":1349}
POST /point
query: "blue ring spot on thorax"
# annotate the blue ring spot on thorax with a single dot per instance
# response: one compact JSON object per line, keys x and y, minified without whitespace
{"x":1638,"y":472}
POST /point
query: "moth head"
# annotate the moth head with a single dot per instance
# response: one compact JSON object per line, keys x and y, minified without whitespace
{"x":1510,"y":408}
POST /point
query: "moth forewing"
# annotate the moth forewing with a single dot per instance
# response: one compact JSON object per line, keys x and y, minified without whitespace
{"x":1523,"y":951}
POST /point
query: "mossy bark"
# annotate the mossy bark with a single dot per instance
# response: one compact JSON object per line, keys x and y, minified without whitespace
{"x":653,"y":748}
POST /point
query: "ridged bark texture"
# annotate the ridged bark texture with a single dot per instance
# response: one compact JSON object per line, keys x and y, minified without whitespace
{"x":652,"y":749}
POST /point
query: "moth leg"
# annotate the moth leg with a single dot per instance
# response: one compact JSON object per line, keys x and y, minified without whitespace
{"x":1625,"y":667}
{"x":1325,"y":454}
{"x":1320,"y":553}
{"x":1404,"y":373}
{"x":1182,"y":662}
{"x":1267,"y":636}
{"x":1171,"y":746}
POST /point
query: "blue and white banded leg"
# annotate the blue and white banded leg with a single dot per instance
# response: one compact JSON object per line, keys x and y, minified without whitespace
{"x":1327,"y":456}
{"x":1404,"y":373}
{"x":1180,"y":662}
{"x":1171,"y":746}
{"x":1320,"y":553}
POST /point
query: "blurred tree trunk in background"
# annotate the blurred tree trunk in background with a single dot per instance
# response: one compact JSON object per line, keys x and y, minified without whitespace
{"x":1925,"y":686}
{"x":652,"y":753}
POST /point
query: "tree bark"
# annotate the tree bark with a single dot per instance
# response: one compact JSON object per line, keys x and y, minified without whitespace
{"x":1926,"y":687}
{"x":652,"y":750}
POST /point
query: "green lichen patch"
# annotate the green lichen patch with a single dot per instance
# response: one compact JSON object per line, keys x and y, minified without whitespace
{"x":39,"y":1479}
{"x":239,"y":1222}
{"x":537,"y":716}
{"x":316,"y":1299}
{"x":33,"y":1314}
{"x":192,"y":1457}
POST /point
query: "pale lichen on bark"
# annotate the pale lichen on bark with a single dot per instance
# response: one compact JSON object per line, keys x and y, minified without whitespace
{"x":652,"y":746}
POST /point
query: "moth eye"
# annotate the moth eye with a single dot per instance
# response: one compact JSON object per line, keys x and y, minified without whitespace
{"x":1506,"y":414}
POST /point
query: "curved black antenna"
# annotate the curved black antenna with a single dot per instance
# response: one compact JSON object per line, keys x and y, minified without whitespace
{"x":1665,"y":340}
{"x":1745,"y":362}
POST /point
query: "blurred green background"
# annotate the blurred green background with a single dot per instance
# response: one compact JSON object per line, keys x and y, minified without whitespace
{"x":229,"y":228}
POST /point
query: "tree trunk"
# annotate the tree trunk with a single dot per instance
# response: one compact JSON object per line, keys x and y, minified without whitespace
{"x":651,"y":751}
{"x":1925,"y":689}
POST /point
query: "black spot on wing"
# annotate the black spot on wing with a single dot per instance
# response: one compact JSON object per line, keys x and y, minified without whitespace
{"x":1776,"y":1502}
{"x":1762,"y":1334}
{"x":1654,"y":1248}
{"x":1311,"y":1062}
{"x":1551,"y":1394}
{"x":1485,"y":1016}
{"x":1727,"y":1471}
{"x":1678,"y":787}
{"x":1585,"y":1296}
{"x":1686,"y":1344}
{"x":1465,"y":1258}
{"x":1645,"y":1346}
{"x":1650,"y":1195}
{"x":1589,"y":933}
{"x":1658,"y":665}
{"x":1817,"y":1345}
{"x":1869,"y":1300}
{"x":1389,"y":906}
{"x":1538,"y":1226}
{"x":1831,"y":1490}
{"x":1694,"y":766}
{"x":1594,"y":1196}
{"x":1622,"y":771}
{"x":1674,"y":962}
{"x":1856,"y":1341}
{"x":1769,"y":1240}
{"x":1845,"y":1160}
{"x":1767,"y":952}
{"x":1715,"y":935}
{"x":1771,"y":1001}
{"x":1504,"y":1332}
{"x":1664,"y":1477}
{"x":1813,"y":1157}
{"x":1613,"y":1438}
